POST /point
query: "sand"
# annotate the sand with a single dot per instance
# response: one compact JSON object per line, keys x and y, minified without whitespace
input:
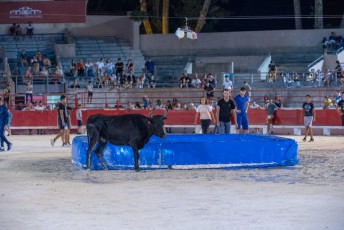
{"x":40,"y":189}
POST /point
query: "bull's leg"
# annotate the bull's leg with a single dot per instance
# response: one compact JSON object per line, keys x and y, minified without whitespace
{"x":99,"y":152}
{"x":93,"y":137}
{"x":136,"y":158}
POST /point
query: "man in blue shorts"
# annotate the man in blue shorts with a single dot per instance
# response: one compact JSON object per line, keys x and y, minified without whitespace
{"x":242,"y":104}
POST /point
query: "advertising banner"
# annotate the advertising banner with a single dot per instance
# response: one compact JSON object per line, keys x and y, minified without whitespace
{"x":43,"y":12}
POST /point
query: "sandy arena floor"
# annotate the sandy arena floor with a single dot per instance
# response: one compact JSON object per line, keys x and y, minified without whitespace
{"x":40,"y":189}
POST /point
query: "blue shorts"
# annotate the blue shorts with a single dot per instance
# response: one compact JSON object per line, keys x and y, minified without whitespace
{"x":242,"y":121}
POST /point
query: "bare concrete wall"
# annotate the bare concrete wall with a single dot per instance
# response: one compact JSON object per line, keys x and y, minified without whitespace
{"x":268,"y":40}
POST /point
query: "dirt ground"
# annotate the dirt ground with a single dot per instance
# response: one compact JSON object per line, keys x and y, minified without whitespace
{"x":40,"y":189}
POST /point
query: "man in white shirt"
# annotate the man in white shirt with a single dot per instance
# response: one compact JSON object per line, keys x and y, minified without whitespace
{"x":227,"y":84}
{"x":40,"y":106}
{"x":89,"y":68}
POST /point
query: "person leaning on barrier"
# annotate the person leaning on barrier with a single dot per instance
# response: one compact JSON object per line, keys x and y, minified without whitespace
{"x":340,"y":108}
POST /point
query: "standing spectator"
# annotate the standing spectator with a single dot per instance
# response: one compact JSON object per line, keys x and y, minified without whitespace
{"x":272,"y":73}
{"x":119,"y":67}
{"x":308,"y":117}
{"x":146,"y":102}
{"x":205,"y":113}
{"x":79,"y":119}
{"x":29,"y":30}
{"x":29,"y":92}
{"x":150,"y":67}
{"x":340,"y":108}
{"x":63,"y":122}
{"x":89,"y":90}
{"x":224,"y":110}
{"x":242,"y":104}
{"x":270,"y":108}
{"x":248,"y":89}
{"x":327,"y":103}
{"x":3,"y":126}
{"x":227,"y":83}
{"x":7,"y":94}
{"x":209,"y":90}
{"x":89,"y":68}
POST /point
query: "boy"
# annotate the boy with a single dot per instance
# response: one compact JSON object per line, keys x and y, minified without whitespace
{"x":308,"y":117}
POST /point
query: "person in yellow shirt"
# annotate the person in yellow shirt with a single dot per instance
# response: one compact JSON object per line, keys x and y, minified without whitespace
{"x":328,"y":103}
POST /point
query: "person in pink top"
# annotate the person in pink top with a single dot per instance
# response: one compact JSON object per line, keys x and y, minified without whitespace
{"x":206,"y":115}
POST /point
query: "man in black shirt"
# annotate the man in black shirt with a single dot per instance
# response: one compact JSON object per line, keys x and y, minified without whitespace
{"x":308,"y":117}
{"x":224,"y":109}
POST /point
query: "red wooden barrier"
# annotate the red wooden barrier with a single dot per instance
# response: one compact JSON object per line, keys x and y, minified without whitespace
{"x":328,"y":117}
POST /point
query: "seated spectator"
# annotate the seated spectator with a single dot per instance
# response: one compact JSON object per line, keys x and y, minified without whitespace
{"x":332,"y":40}
{"x":118,"y":105}
{"x":130,"y":106}
{"x":46,"y":61}
{"x":73,"y":69}
{"x":29,"y":30}
{"x":272,"y":73}
{"x":44,"y":72}
{"x":178,"y":106}
{"x":169,"y":105}
{"x":196,"y":82}
{"x":184,"y":80}
{"x":131,"y":80}
{"x":266,"y":101}
{"x":89,"y":71}
{"x":254,"y":105}
{"x":159,"y":105}
{"x":150,"y":67}
{"x":209,"y":90}
{"x":113,"y":81}
{"x":40,"y":106}
{"x":141,"y":81}
{"x":324,"y":44}
{"x":119,"y":67}
{"x":100,"y":67}
{"x":174,"y":102}
{"x":151,"y":82}
{"x":278,"y":101}
{"x":58,"y":75}
{"x":137,"y":105}
{"x":80,"y":68}
{"x":23,"y":58}
{"x":129,"y":66}
{"x":211,"y":80}
{"x":109,"y":66}
{"x":29,"y":107}
{"x":192,"y":106}
{"x":227,"y":84}
{"x":327,"y":103}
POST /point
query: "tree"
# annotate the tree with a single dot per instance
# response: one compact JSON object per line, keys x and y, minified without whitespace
{"x":202,"y":16}
{"x":318,"y":14}
{"x":297,"y":15}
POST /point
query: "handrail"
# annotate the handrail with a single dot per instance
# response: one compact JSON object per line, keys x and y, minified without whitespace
{"x":315,"y":62}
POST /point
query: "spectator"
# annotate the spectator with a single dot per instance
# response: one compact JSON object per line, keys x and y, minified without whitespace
{"x":119,"y":67}
{"x":129,"y":66}
{"x":193,"y":107}
{"x":18,"y":30}
{"x":137,"y":105}
{"x":248,"y":90}
{"x":324,"y":43}
{"x":89,"y":89}
{"x":339,"y":73}
{"x":209,"y":91}
{"x":89,"y":68}
{"x":40,"y":106}
{"x":227,"y":83}
{"x":270,"y":108}
{"x":44,"y":72}
{"x":118,"y":105}
{"x":224,"y":110}
{"x":308,"y":117}
{"x":337,"y":96}
{"x":174,"y":102}
{"x":28,"y":92}
{"x":131,"y":79}
{"x":340,"y":108}
{"x":159,"y":105}
{"x":7,"y":94}
{"x":278,"y":101}
{"x":196,"y":82}
{"x":23,"y":58}
{"x":284,"y":78}
{"x":332,"y":40}
{"x":28,"y":76}
{"x":79,"y":119}
{"x":3,"y":125}
{"x":100,"y":67}
{"x":58,"y":75}
{"x":211,"y":80}
{"x":141,"y":81}
{"x":13,"y":30}
{"x":206,"y":115}
{"x":151,"y":82}
{"x":130,"y":106}
{"x":29,"y":30}
{"x":169,"y":105}
{"x":8,"y":128}
{"x":272,"y":73}
{"x":80,"y":68}
{"x":73,"y":68}
{"x":266,"y":101}
{"x":150,"y":67}
{"x":146,"y":102}
{"x":327,"y":103}
{"x":254,"y":105}
{"x":109,"y":66}
{"x":242,"y":104}
{"x":29,"y":107}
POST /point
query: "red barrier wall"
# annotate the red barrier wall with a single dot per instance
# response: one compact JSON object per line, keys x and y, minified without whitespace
{"x":327,"y":117}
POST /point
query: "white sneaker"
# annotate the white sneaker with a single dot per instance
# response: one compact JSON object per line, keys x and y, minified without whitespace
{"x":66,"y":146}
{"x":52,"y":142}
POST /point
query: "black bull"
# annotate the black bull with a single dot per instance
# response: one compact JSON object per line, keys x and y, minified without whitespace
{"x":129,"y":129}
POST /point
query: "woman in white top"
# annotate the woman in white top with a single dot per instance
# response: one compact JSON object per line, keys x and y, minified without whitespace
{"x":205,"y":112}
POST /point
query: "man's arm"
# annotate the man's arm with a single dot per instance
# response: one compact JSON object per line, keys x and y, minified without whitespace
{"x":217,"y":115}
